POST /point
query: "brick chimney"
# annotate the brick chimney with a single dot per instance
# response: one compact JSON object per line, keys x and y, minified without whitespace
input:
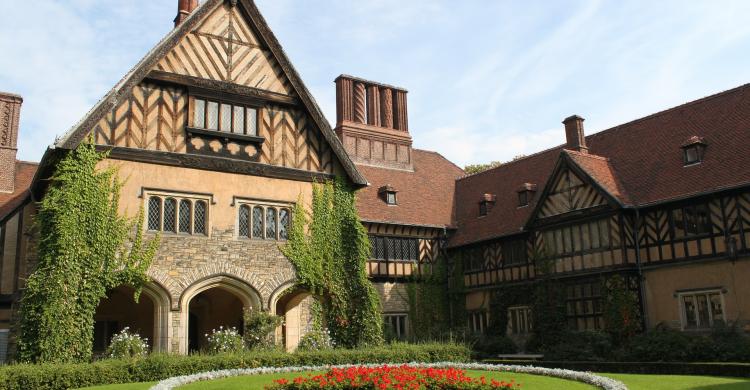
{"x":576,"y":139}
{"x":184,"y":8}
{"x":372,"y":122}
{"x":10,"y":109}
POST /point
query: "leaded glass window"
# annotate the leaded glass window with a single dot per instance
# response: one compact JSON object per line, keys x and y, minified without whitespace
{"x":185,"y":213}
{"x":170,"y":215}
{"x":212,"y":116}
{"x":258,"y":222}
{"x":239,"y":119}
{"x":244,"y":222}
{"x":252,"y":122}
{"x":200,"y":217}
{"x":270,"y":223}
{"x":199,"y":113}
{"x":227,"y":117}
{"x":283,"y":224}
{"x":154,"y":213}
{"x":394,"y":248}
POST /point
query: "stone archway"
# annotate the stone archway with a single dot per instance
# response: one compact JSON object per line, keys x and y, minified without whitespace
{"x":147,"y":317}
{"x":294,"y":305}
{"x":214,"y":302}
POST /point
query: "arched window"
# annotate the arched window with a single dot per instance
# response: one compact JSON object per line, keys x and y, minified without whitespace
{"x":244,"y":222}
{"x":199,"y":220}
{"x":270,"y":223}
{"x":185,"y":214}
{"x":170,"y":215}
{"x":284,"y":224}
{"x":257,"y":222}
{"x":154,"y":213}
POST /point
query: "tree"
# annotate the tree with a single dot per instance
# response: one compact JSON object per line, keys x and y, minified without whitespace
{"x":85,"y":249}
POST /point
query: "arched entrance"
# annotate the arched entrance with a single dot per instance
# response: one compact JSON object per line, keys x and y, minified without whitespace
{"x":212,"y":303}
{"x":295,"y":307}
{"x":119,"y":310}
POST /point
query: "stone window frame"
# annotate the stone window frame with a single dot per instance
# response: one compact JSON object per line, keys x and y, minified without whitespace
{"x":178,"y":196}
{"x":399,"y":323}
{"x":707,"y":293}
{"x":278,"y":206}
{"x":523,"y":316}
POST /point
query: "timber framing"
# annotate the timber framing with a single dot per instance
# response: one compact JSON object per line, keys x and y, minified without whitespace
{"x":216,"y":164}
{"x":142,"y":70}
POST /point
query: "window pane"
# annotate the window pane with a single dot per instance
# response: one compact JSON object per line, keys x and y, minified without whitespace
{"x":244,"y":221}
{"x":586,"y":236}
{"x":226,"y":117}
{"x":252,"y":122}
{"x":185,"y":212}
{"x":258,"y":222}
{"x":379,"y":248}
{"x":239,"y":120}
{"x":391,"y":199}
{"x":717,"y":311}
{"x":212,"y":116}
{"x":170,"y":215}
{"x":200,"y":217}
{"x":271,"y":223}
{"x":691,"y":155}
{"x":689,"y":305}
{"x":702,"y":308}
{"x":199,"y":113}
{"x":283,"y":224}
{"x":679,"y":223}
{"x":154,"y":213}
{"x":604,"y":232}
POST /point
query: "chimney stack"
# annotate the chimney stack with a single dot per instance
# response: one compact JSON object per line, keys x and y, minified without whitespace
{"x":10,"y":110}
{"x":576,"y":139}
{"x":184,"y":8}
{"x":372,"y":122}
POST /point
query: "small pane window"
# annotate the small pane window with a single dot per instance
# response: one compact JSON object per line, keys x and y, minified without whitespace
{"x":200,"y":217}
{"x":226,"y":118}
{"x":691,"y":155}
{"x":701,"y":309}
{"x":154,"y":213}
{"x":170,"y":215}
{"x":244,"y":221}
{"x":482,"y":209}
{"x":284,"y":224}
{"x":390,"y":197}
{"x":271,"y":223}
{"x":252,"y":122}
{"x":239,"y":120}
{"x":212,"y":116}
{"x":199,"y":113}
{"x":257,"y":222}
{"x":185,"y":213}
{"x":523,"y":198}
{"x":395,"y":326}
{"x":519,"y":320}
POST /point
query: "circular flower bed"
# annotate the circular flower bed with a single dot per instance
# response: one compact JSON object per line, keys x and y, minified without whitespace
{"x":584,"y":377}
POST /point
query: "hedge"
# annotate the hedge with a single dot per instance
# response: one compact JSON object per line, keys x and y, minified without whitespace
{"x":653,"y":368}
{"x":157,"y":367}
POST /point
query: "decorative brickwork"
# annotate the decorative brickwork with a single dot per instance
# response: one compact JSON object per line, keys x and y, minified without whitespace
{"x":10,"y":108}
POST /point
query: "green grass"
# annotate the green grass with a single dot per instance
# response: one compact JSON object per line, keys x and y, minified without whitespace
{"x":680,"y":382}
{"x":633,"y":381}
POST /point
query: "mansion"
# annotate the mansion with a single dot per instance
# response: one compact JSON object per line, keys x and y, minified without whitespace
{"x":218,"y":138}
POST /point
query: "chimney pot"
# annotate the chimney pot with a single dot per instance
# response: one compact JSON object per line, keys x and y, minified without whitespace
{"x":184,"y":8}
{"x":575,"y":137}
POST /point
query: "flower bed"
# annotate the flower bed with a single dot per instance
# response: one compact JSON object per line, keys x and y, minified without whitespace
{"x":391,"y":377}
{"x":584,"y":377}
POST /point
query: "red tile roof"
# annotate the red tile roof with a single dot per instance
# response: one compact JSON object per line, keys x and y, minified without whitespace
{"x":24,"y":175}
{"x":639,"y":162}
{"x":425,"y":196}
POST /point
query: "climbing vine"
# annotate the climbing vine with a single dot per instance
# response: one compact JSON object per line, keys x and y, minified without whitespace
{"x":329,"y":248}
{"x":621,"y":312}
{"x":85,"y":249}
{"x":429,"y":303}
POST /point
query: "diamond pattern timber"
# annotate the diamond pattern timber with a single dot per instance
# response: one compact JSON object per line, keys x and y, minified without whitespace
{"x":570,"y":193}
{"x":225,"y":48}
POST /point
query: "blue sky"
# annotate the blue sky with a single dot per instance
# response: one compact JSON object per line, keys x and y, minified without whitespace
{"x":487,"y":80}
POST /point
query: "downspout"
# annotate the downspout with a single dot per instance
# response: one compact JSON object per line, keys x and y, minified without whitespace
{"x":639,"y":266}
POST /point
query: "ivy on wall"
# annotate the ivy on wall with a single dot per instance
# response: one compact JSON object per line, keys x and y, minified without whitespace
{"x":329,"y":249}
{"x":85,"y":249}
{"x":621,"y":311}
{"x":429,"y":303}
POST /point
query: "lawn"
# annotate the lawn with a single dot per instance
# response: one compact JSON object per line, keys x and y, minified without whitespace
{"x":634,"y":382}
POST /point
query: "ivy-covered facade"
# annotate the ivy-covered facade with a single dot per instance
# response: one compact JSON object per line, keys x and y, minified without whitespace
{"x":258,"y":203}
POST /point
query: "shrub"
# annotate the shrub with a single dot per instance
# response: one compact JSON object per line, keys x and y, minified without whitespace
{"x":259,"y":328}
{"x":665,"y":345}
{"x":316,"y":339}
{"x":495,"y":345}
{"x":157,"y":367}
{"x":581,"y":346}
{"x":224,"y":340}
{"x":126,"y":345}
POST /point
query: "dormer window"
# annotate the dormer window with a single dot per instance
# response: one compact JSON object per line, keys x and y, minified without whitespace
{"x":388,"y":194}
{"x":525,"y":194}
{"x":486,"y":203}
{"x":693,"y":150}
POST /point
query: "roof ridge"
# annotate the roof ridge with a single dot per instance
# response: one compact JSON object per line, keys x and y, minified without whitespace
{"x":588,"y":155}
{"x":27,"y":162}
{"x":668,"y":110}
{"x":441,"y":156}
{"x":520,"y":159}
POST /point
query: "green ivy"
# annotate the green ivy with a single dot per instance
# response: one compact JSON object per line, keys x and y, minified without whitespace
{"x":621,"y":312}
{"x":85,"y":249}
{"x":329,"y":248}
{"x":428,"y":300}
